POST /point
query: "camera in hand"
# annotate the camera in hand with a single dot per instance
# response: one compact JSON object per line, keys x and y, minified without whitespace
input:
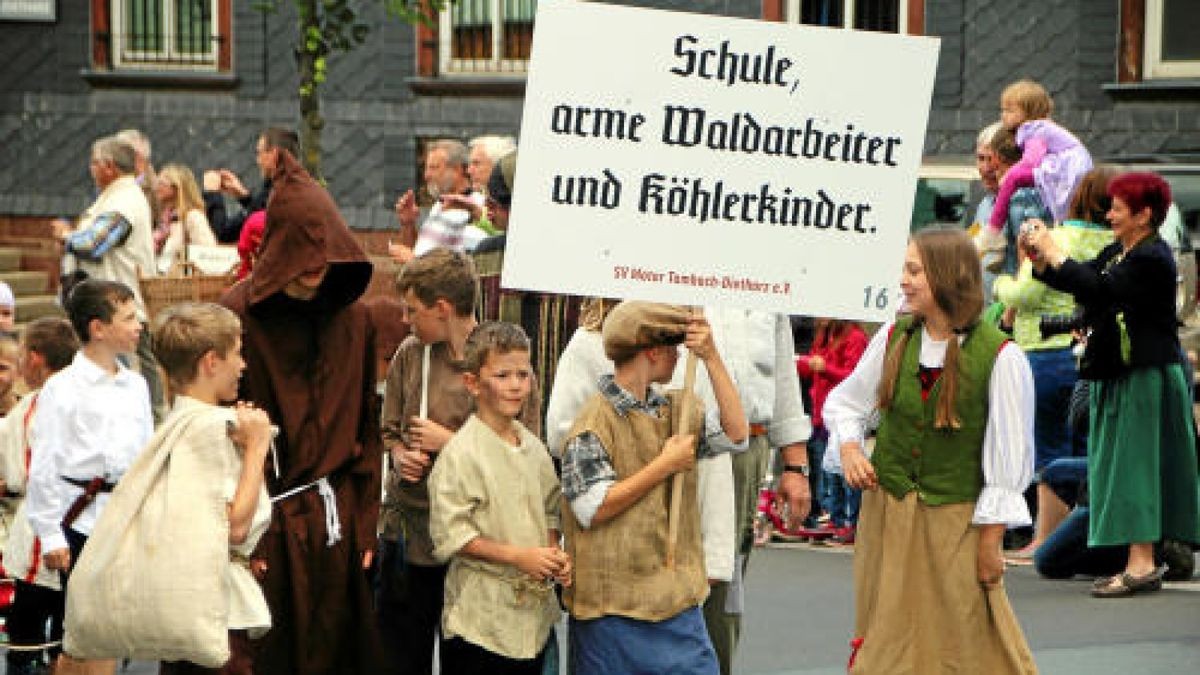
{"x":1060,"y":324}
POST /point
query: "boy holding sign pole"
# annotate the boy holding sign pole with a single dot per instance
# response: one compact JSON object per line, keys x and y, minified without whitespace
{"x":425,"y":402}
{"x":630,"y":611}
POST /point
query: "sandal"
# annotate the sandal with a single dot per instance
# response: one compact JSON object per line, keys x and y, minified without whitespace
{"x":1125,"y":584}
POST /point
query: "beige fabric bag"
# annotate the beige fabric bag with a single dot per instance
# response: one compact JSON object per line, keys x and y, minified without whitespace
{"x":152,"y":582}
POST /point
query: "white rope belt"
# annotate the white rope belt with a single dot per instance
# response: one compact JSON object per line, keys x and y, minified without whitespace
{"x":333,"y":528}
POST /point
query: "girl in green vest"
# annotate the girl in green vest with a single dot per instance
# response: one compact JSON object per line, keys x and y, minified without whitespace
{"x":953,"y":455}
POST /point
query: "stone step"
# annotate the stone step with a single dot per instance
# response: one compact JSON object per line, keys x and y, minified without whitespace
{"x":10,"y":259}
{"x":27,"y":282}
{"x":32,"y":307}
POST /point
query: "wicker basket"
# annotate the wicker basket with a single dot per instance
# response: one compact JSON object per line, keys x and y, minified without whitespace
{"x":184,"y":284}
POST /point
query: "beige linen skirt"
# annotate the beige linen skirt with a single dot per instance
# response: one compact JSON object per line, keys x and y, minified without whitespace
{"x":919,"y":606}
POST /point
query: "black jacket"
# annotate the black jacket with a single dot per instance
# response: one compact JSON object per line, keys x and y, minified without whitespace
{"x":228,"y":226}
{"x":1140,"y":286}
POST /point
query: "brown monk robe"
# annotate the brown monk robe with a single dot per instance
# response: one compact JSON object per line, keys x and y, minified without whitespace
{"x":311,"y":367}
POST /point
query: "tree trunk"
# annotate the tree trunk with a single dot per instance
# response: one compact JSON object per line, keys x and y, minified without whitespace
{"x":307,"y":53}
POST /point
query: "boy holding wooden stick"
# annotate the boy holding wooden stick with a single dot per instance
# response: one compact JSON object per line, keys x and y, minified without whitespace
{"x":631,"y":609}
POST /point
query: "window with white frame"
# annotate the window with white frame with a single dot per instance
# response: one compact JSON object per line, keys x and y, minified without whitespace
{"x":887,"y":16}
{"x":1172,"y":43}
{"x":486,"y":36}
{"x":27,"y":10}
{"x":162,"y":34}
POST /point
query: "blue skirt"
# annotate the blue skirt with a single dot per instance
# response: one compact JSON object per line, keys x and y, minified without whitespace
{"x":617,"y":645}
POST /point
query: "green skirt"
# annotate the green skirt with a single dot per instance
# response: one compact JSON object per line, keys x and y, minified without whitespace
{"x":1142,"y":459}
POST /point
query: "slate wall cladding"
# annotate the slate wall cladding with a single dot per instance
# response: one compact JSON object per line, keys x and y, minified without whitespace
{"x":49,"y":113}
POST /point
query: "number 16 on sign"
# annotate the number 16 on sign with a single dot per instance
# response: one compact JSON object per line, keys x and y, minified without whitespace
{"x":875,"y":296}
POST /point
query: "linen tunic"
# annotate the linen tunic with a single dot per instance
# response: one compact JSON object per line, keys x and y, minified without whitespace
{"x":482,"y":486}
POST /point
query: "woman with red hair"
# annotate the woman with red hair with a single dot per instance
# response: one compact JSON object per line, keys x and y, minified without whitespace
{"x":1142,"y":457}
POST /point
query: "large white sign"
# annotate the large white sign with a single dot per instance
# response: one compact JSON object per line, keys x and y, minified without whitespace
{"x":703,"y":160}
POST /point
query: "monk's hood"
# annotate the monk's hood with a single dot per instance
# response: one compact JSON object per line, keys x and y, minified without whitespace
{"x":305,"y":231}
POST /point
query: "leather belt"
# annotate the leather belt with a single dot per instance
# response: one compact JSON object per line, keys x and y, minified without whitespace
{"x":758,"y":429}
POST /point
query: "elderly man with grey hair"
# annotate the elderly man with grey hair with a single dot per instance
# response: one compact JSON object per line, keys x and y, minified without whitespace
{"x":143,"y":168}
{"x":448,"y":223}
{"x":988,"y":167}
{"x":112,"y":240}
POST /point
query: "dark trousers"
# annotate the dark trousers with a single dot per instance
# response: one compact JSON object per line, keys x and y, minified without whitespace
{"x":33,"y":607}
{"x":409,"y":620}
{"x":459,"y":656}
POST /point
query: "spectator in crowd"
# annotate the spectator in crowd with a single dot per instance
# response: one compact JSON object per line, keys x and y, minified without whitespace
{"x":182,"y":221}
{"x":249,"y":242}
{"x":499,"y":202}
{"x":144,"y":169}
{"x":308,"y":342}
{"x":630,"y":611}
{"x":836,"y":349}
{"x":953,"y":455}
{"x":10,"y":358}
{"x":448,"y":223}
{"x":494,"y":514}
{"x":1051,"y":357}
{"x":1142,"y":479}
{"x":485,"y":151}
{"x":36,"y":617}
{"x":8,"y":310}
{"x":438,"y":290}
{"x":1065,"y":553}
{"x":113,"y":240}
{"x":1026,"y":203}
{"x":268,"y":148}
{"x":986,"y":165}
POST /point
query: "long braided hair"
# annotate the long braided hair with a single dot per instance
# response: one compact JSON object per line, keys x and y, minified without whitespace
{"x":955,"y":279}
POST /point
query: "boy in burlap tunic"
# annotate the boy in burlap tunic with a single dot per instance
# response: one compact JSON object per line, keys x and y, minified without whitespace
{"x":630,"y":612}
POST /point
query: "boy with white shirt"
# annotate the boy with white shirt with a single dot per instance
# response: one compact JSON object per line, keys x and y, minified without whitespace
{"x":94,"y":418}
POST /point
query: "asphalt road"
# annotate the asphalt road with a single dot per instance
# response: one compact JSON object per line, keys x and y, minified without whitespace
{"x":800,"y":615}
{"x":799,"y":619}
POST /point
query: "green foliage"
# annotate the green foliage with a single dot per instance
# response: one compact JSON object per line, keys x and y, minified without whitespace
{"x":328,"y":26}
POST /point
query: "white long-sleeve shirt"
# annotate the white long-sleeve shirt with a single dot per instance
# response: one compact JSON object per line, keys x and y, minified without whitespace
{"x":89,"y":423}
{"x":759,"y":353}
{"x":1008,"y":437}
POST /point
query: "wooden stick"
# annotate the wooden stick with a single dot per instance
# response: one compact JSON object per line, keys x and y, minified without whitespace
{"x":685,"y":423}
{"x":423,"y":411}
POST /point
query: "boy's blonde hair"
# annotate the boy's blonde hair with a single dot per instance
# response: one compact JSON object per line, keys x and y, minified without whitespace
{"x":182,"y":334}
{"x":492,"y":337}
{"x":441,"y":273}
{"x":1031,"y":97}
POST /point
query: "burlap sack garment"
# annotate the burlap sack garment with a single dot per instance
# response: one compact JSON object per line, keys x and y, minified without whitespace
{"x":152,"y":582}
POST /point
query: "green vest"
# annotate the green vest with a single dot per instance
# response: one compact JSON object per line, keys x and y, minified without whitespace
{"x":944,"y":466}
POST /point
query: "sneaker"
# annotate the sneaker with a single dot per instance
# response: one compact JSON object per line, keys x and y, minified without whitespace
{"x":1179,"y":559}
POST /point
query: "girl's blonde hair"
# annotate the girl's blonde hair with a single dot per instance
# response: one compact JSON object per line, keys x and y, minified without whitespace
{"x":955,"y":280}
{"x":187,"y":193}
{"x":1032,"y":98}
